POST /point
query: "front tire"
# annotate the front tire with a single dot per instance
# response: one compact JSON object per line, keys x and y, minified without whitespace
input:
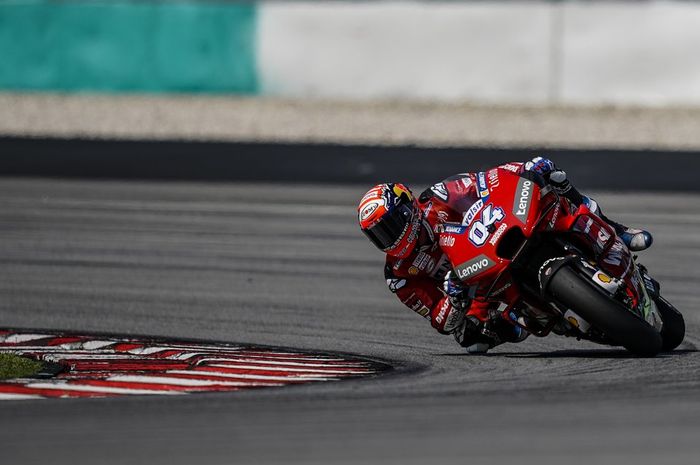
{"x":673,"y":331}
{"x":611,"y":317}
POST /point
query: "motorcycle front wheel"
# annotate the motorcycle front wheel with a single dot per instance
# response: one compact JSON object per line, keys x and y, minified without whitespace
{"x":619,"y":324}
{"x":673,"y":331}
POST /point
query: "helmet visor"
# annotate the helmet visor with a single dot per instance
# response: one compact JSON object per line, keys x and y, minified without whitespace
{"x":391,"y":228}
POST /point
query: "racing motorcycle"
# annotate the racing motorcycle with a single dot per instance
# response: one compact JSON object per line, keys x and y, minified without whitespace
{"x":556,"y":267}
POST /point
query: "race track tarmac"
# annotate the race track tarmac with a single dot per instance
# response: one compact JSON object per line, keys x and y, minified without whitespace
{"x":286,"y":266}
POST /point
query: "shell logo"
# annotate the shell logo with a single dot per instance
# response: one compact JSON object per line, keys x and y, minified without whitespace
{"x":573,"y":321}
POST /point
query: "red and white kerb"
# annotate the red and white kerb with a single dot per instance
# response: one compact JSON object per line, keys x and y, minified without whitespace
{"x":98,"y":366}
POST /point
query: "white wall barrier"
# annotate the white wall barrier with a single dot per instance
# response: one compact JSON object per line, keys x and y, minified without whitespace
{"x":500,"y":51}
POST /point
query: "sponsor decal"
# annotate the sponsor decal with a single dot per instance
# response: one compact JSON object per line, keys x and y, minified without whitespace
{"x":424,"y":312}
{"x":442,"y":216}
{"x":370,"y":208}
{"x":395,"y":284}
{"x":110,"y":366}
{"x":424,"y":262}
{"x":426,"y":210}
{"x":577,"y":322}
{"x":511,"y":167}
{"x":412,"y":236}
{"x":548,"y":267}
{"x":500,"y":290}
{"x":523,"y":199}
{"x":417,"y":304}
{"x":447,"y":241}
{"x":483,"y":190}
{"x":453,"y":229}
{"x":454,"y":318}
{"x":470,"y":214}
{"x":443,"y":311}
{"x":614,"y":256}
{"x":497,"y":235}
{"x":440,"y":191}
{"x":583,"y":224}
{"x":492,"y":176}
{"x":372,"y":194}
{"x":605,"y":281}
{"x":555,"y":217}
{"x":602,"y":238}
{"x":467,"y":182}
{"x":474,"y":267}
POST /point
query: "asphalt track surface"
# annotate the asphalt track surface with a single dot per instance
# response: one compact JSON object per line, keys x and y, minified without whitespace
{"x":285,"y":265}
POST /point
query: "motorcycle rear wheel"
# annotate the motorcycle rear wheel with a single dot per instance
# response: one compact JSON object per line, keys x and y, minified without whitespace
{"x":579,"y":294}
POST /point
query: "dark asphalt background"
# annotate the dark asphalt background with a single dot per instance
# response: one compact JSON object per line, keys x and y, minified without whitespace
{"x":626,"y":170}
{"x":284,"y":264}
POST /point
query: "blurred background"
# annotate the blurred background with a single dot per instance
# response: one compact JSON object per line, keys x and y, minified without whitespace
{"x":471,"y":74}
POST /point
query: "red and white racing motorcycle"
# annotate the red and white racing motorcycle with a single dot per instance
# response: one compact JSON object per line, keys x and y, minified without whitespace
{"x":557,"y":267}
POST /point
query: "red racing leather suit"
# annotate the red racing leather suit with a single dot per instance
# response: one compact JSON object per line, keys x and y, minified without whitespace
{"x":417,"y":280}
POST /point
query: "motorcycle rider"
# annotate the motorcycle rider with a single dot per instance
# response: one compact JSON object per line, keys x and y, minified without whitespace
{"x":419,"y":273}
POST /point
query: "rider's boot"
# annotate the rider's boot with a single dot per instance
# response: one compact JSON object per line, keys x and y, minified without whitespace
{"x":635,"y":239}
{"x":478,"y":337}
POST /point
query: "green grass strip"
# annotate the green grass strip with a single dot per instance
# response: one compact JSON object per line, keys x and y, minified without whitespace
{"x":14,"y":366}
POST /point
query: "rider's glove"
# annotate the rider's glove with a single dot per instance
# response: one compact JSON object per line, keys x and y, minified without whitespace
{"x":446,"y":317}
{"x":454,"y":288}
{"x":556,"y":178}
{"x":449,"y":315}
{"x":541,"y":166}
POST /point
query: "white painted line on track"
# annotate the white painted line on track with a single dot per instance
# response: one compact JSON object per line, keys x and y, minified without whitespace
{"x":176,"y":381}
{"x":105,"y":390}
{"x":278,"y":368}
{"x":20,"y":338}
{"x":289,"y":364}
{"x":8,"y":396}
{"x":260,"y":377}
{"x":155,"y":350}
{"x":95,"y":345}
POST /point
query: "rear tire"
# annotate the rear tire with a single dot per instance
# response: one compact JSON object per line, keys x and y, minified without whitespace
{"x":673,"y":331}
{"x":620,"y":325}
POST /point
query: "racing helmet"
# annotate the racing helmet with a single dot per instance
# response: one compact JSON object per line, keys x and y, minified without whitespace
{"x":390,"y":217}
